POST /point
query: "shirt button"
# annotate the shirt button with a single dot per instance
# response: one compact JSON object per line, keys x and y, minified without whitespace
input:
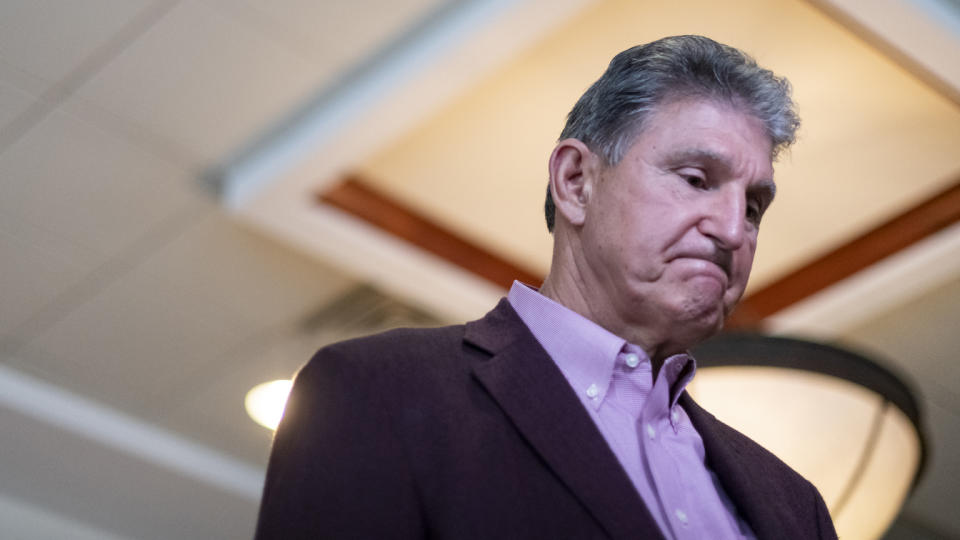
{"x":652,"y":433}
{"x":681,"y":516}
{"x":593,"y":391}
{"x":675,"y":416}
{"x":632,"y":360}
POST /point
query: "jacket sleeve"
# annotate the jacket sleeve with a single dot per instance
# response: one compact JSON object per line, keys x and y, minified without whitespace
{"x":337,"y":468}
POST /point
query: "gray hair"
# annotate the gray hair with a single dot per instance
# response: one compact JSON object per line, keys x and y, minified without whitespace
{"x":611,"y":113}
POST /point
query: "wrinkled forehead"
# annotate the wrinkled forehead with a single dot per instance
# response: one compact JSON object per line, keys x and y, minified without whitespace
{"x":721,"y":140}
{"x":675,"y":100}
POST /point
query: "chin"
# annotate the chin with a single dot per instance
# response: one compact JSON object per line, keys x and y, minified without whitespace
{"x":706,"y":330}
{"x":699,"y":322}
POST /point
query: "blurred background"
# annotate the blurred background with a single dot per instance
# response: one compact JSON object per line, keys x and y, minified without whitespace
{"x":197,"y":194}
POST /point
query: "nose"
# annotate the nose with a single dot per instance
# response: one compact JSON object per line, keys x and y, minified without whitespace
{"x":724,"y":219}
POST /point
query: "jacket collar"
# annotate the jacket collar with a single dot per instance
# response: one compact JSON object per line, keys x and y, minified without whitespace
{"x":536,"y":397}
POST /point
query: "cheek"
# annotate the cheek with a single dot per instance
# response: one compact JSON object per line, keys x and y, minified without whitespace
{"x":663,"y":229}
{"x":743,"y":263}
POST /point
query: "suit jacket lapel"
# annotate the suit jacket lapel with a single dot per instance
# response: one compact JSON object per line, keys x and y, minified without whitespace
{"x":532,"y":391}
{"x":751,"y":476}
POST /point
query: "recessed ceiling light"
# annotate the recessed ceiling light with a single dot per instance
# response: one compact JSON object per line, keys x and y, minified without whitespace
{"x":265,"y":402}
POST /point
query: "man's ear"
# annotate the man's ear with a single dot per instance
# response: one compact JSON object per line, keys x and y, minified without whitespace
{"x":573,"y":173}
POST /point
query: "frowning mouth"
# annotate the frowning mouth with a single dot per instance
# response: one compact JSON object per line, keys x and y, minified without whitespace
{"x":716,"y":260}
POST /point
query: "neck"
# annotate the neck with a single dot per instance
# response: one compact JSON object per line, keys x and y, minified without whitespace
{"x":576,"y":288}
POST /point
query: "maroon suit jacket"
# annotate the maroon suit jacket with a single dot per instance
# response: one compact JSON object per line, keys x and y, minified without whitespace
{"x":471,"y":431}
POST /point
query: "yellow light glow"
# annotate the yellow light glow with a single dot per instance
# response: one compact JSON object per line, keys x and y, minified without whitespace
{"x":265,"y":402}
{"x":820,"y":425}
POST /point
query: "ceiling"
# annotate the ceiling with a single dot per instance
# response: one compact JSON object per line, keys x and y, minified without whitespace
{"x":163,"y":249}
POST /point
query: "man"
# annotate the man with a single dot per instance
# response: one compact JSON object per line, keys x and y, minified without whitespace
{"x":562,"y":413}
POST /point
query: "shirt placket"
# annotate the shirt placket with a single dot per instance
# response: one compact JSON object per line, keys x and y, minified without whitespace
{"x":654,"y":426}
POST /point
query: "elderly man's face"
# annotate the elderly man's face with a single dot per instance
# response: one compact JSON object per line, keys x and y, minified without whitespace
{"x":671,"y":230}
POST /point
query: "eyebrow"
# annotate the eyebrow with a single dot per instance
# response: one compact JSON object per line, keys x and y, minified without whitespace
{"x":766,"y":188}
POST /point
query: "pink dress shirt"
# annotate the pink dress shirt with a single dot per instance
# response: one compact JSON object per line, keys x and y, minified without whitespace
{"x":640,"y":419}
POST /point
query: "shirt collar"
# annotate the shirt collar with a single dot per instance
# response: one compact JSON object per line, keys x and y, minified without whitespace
{"x":585,"y":352}
{"x":678,"y":370}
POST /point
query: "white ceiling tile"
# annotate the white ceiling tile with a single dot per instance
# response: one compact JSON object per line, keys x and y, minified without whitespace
{"x":115,"y":492}
{"x":13,"y":101}
{"x":920,"y":338}
{"x":335,"y":35}
{"x":135,"y":134}
{"x":48,"y":38}
{"x":121,"y":345}
{"x":23,"y":81}
{"x":88,"y":186}
{"x":26,"y":521}
{"x":253,"y":277}
{"x":202,"y":80}
{"x":176,"y":320}
{"x":37,"y":267}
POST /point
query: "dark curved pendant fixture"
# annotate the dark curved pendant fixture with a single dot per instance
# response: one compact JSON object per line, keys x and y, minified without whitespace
{"x":850,"y":426}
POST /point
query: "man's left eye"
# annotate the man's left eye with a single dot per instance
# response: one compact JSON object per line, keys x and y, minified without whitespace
{"x":696,"y":181}
{"x":754,"y":212}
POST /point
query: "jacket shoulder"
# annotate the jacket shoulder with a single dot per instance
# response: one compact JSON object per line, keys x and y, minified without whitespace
{"x":396,"y":361}
{"x":339,"y":437}
{"x":393,"y":349}
{"x":399,"y":341}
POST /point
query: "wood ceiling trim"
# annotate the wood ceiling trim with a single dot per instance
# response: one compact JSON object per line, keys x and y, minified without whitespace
{"x":356,"y":198}
{"x":930,"y":216}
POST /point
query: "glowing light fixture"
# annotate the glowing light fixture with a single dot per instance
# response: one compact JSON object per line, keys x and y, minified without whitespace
{"x":265,"y":402}
{"x":846,"y":424}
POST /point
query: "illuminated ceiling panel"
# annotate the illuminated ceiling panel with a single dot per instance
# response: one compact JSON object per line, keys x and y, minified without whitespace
{"x":875,"y":139}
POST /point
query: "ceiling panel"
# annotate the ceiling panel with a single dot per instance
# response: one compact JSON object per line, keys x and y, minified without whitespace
{"x":24,"y":521}
{"x":327,"y":33}
{"x":187,"y":313}
{"x":23,"y":81}
{"x":202,"y":80}
{"x":37,"y":267}
{"x":244,"y":273}
{"x":125,"y":345}
{"x":13,"y":100}
{"x":112,"y":491}
{"x":80,"y":182}
{"x":49,"y":38}
{"x":919,"y":338}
